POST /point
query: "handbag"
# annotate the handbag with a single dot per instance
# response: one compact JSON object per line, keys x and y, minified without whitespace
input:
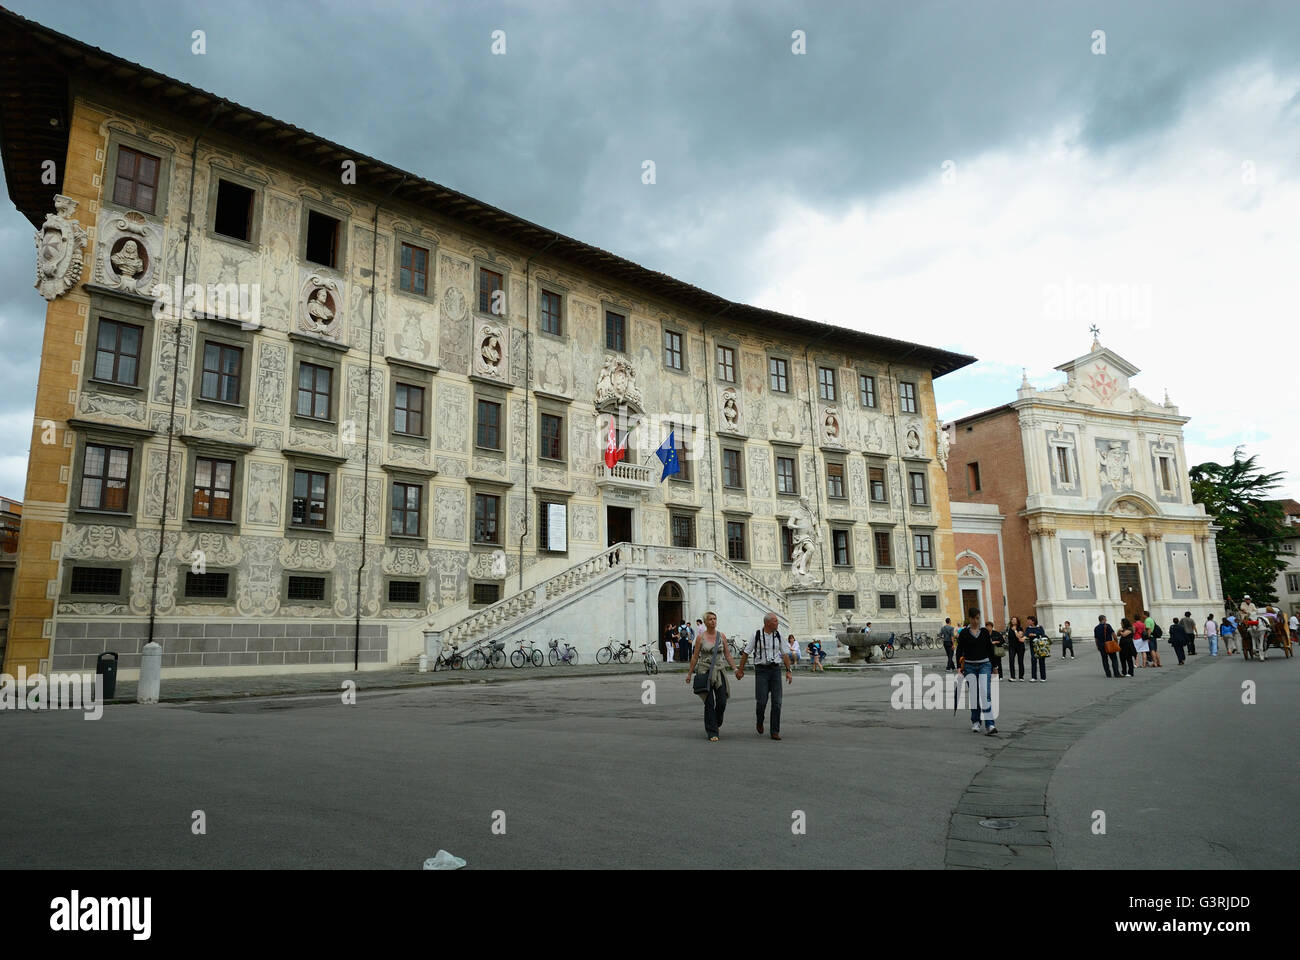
{"x":1112,"y":646}
{"x":700,"y":682}
{"x":1042,"y":647}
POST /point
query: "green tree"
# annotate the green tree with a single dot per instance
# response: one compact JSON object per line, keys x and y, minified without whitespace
{"x":1235,"y":495}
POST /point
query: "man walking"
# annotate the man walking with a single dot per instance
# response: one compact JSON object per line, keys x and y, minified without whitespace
{"x":1189,"y":630}
{"x":770,"y":655}
{"x":1177,"y":640}
{"x":1103,"y":633}
{"x":946,"y":633}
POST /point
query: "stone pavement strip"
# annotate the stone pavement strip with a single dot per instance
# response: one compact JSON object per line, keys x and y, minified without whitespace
{"x":1013,"y":786}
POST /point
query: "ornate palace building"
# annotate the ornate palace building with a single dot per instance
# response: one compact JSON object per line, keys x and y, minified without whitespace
{"x":1077,"y":503}
{"x":299,"y":409}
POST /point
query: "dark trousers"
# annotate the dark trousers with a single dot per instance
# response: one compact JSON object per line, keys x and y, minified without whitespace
{"x":767,"y":680}
{"x":1039,"y":667}
{"x":715,"y":704}
{"x":1067,"y":643}
{"x":1126,"y":661}
{"x":1191,"y":646}
{"x":1178,"y":649}
{"x":1109,"y":662}
{"x":947,"y":648}
{"x":1017,"y":657}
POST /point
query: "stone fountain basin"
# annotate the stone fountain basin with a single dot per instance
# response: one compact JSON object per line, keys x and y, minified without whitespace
{"x":860,"y":646}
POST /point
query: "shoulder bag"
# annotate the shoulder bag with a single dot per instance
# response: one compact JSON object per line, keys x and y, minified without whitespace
{"x":700,"y":683}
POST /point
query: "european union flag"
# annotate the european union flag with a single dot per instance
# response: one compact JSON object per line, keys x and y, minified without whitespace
{"x":667,"y":454}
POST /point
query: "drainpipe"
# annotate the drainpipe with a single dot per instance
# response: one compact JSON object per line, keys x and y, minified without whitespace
{"x":528,"y":386}
{"x":365,"y":475}
{"x":905,"y":493}
{"x":176,"y":372}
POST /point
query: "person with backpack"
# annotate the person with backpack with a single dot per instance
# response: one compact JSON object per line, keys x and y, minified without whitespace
{"x":946,"y":634}
{"x":1154,"y":633}
{"x":769,"y":653}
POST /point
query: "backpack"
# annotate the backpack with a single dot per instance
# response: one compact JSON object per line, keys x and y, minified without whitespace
{"x":1156,"y":632}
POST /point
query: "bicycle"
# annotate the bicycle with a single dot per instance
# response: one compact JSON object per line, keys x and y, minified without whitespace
{"x":887,"y":650}
{"x":554,"y":656}
{"x":449,"y":661}
{"x":621,"y":653}
{"x":648,"y":656}
{"x":493,"y":655}
{"x":531,"y":655}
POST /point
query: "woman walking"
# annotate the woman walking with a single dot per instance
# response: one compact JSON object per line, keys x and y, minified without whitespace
{"x":1015,"y":637}
{"x":1040,"y":648}
{"x":975,"y":653}
{"x":1127,"y":652}
{"x":1141,"y":645}
{"x":704,"y":660}
{"x":1228,"y":634}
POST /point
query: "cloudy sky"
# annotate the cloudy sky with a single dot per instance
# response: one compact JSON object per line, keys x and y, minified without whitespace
{"x":973,"y":175}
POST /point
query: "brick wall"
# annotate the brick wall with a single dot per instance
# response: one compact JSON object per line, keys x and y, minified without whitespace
{"x":993,"y":441}
{"x":251,"y":644}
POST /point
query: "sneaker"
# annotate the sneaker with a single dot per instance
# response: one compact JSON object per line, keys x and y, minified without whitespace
{"x":1032,"y":680}
{"x":990,"y":731}
{"x":975,"y":727}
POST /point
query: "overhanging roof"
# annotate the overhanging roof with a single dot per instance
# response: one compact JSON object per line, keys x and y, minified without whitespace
{"x":38,"y":66}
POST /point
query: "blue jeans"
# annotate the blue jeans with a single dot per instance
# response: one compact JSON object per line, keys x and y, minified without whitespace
{"x":982,"y":699}
{"x":1214,"y":645}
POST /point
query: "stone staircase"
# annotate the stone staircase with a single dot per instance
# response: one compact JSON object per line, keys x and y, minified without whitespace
{"x":615,"y":593}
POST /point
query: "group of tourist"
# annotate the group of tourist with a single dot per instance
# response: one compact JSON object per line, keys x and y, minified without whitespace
{"x":679,"y":639}
{"x":1010,"y":644}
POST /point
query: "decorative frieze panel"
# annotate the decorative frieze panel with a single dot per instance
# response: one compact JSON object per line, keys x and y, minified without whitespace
{"x":257,"y":589}
{"x":113,"y":408}
{"x":451,"y":430}
{"x":300,"y":439}
{"x":153,"y":485}
{"x":454,"y":304}
{"x":219,"y":426}
{"x":269,"y":387}
{"x":449,"y":513}
{"x":264,"y":496}
{"x":350,"y":506}
{"x":164,"y":369}
{"x":99,"y":542}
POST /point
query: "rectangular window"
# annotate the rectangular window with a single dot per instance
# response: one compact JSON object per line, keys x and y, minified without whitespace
{"x":924,"y":553}
{"x":1293,"y":583}
{"x":785,"y":481}
{"x":973,"y":477}
{"x":553,"y":526}
{"x":234,"y":216}
{"x":488,"y":433}
{"x":846,"y":601}
{"x":673,"y":350}
{"x":1166,"y":474}
{"x":840,"y":547}
{"x":889,"y":601}
{"x":322,"y":239}
{"x":221,"y":372}
{"x":413,"y":271}
{"x":615,"y":331}
{"x":491,"y":293}
{"x":826,"y":384}
{"x":681,"y":436}
{"x":787,"y":544}
{"x":315,"y":385}
{"x":866,"y":390}
{"x":136,"y":181}
{"x":117,"y":352}
{"x":683,"y":530}
{"x":778,"y":374}
{"x":1063,"y":465}
{"x":405,"y":521}
{"x":907,"y":397}
{"x":403,"y":591}
{"x":305,"y":588}
{"x":552,"y":428}
{"x":916,"y":482}
{"x":835,"y":481}
{"x":929,"y":601}
{"x":726,"y":364}
{"x":214,"y":482}
{"x":551,"y":313}
{"x":486,"y":593}
{"x":93,"y":581}
{"x":206,"y":586}
{"x":731,"y":473}
{"x":310,"y":499}
{"x":735,"y":540}
{"x":883,"y":556}
{"x":486,"y":511}
{"x":879,"y":493}
{"x":408,"y":410}
{"x":105,"y":478}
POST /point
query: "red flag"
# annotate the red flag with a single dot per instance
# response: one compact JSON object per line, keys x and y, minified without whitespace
{"x":614,"y":451}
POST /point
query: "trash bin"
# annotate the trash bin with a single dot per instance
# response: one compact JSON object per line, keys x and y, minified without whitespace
{"x":108,"y":668}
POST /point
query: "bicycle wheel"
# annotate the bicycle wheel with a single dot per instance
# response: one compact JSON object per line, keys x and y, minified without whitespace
{"x":603,"y":655}
{"x":646,"y":665}
{"x":552,"y":658}
{"x":457,"y":661}
{"x":889,"y":652}
{"x":537,"y":658}
{"x":517,"y":659}
{"x":625,"y":655}
{"x":573,"y":658}
{"x":475,"y":660}
{"x":654,"y":665}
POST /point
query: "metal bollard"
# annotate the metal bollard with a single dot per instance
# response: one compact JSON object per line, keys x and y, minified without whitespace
{"x":150,"y":673}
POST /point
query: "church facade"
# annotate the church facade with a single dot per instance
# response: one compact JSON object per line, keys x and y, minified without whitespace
{"x":298,"y":409}
{"x":1090,"y":481}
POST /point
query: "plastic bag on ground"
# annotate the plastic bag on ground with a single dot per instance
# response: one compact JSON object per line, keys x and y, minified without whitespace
{"x":443,"y":861}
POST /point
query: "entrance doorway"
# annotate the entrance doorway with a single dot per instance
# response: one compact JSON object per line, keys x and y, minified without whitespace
{"x":970,"y":599}
{"x":1130,"y":589}
{"x":618,"y":525}
{"x":670,"y":611}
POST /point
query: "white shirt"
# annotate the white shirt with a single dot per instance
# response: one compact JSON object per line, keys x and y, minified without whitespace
{"x":794,"y":648}
{"x":766,"y":647}
{"x":1294,"y":623}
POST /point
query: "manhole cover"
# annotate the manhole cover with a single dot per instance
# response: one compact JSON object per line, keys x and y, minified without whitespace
{"x":999,"y":824}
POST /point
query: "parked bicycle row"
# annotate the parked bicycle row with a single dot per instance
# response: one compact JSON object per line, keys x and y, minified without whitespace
{"x":559,"y":651}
